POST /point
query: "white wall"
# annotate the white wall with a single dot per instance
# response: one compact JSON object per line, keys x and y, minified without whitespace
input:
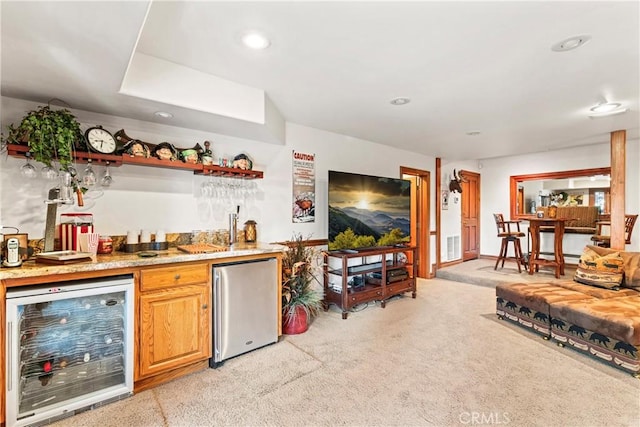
{"x":154,"y":198}
{"x":495,"y":174}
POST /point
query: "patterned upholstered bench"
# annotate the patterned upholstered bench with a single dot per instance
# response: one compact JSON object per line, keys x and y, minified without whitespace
{"x":528,"y":303}
{"x":601,"y":322}
{"x":608,"y":329}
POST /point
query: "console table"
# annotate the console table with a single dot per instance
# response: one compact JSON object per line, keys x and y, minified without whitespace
{"x":353,"y":277}
{"x":558,"y":230}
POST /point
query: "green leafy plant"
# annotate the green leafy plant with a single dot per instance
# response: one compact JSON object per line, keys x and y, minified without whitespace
{"x":50,"y":134}
{"x":300,"y":279}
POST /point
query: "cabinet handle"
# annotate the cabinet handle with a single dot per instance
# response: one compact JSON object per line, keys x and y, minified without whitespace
{"x":177,"y":276}
{"x":205,"y":306}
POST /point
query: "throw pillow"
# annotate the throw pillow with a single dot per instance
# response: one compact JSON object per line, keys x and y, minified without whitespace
{"x":631,"y":270}
{"x":600,"y":267}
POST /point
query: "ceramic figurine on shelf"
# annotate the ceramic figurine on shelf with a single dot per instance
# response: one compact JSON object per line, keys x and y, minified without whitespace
{"x":137,"y":148}
{"x":126,"y":143}
{"x":165,"y":151}
{"x":242,"y":161}
{"x":189,"y":156}
{"x":206,"y":157}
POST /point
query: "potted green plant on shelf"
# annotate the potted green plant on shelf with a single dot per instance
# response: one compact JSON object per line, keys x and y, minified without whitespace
{"x":50,"y":134}
{"x":301,"y":297}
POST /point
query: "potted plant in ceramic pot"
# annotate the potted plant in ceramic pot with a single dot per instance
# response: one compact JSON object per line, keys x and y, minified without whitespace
{"x":51,"y":135}
{"x":301,"y":294}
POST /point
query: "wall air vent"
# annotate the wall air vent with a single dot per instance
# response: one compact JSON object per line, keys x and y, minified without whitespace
{"x":453,"y":247}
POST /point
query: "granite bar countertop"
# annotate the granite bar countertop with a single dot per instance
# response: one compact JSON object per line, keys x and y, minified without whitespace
{"x":117,"y":260}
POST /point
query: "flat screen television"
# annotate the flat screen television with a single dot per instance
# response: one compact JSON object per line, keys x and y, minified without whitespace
{"x":368,"y":211}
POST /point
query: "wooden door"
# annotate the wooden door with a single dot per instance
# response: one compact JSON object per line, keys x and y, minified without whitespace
{"x":470,"y":215}
{"x":175,"y":328}
{"x":420,"y":214}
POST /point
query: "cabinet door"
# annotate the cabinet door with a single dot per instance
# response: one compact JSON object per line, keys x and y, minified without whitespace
{"x":175,"y":328}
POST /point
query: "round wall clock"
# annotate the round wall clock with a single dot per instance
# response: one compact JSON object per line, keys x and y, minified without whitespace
{"x":100,"y":140}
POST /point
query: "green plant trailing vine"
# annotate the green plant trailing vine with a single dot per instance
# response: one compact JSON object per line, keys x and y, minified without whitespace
{"x":50,"y":134}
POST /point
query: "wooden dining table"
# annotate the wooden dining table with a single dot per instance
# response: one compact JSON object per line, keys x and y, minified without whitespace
{"x":558,"y":233}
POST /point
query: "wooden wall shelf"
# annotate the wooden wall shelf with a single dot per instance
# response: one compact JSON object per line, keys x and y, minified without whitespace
{"x":16,"y":150}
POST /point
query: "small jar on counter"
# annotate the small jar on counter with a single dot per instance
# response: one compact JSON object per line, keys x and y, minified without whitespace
{"x":105,"y":245}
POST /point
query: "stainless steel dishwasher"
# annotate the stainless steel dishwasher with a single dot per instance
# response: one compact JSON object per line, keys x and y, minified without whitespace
{"x":245,"y":308}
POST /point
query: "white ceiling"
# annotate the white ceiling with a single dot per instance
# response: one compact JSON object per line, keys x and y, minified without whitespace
{"x":467,"y":66}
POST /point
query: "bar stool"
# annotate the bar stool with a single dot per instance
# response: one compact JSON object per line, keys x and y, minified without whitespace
{"x":604,"y":240}
{"x":507,"y":235}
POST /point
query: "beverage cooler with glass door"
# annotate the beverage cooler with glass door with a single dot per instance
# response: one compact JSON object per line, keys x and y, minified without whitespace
{"x":69,"y":346}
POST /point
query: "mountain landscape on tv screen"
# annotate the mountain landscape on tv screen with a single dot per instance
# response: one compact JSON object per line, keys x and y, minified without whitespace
{"x":368,"y":210}
{"x":366,"y":223}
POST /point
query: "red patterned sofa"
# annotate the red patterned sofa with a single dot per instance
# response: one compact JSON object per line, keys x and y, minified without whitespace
{"x":598,"y":317}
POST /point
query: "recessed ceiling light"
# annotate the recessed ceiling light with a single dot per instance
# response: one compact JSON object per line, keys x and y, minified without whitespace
{"x":400,"y":101}
{"x":473,"y":133}
{"x":255,"y":40}
{"x":163,"y":114}
{"x":570,"y":43}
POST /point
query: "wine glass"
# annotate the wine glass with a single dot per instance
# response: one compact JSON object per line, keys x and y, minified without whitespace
{"x":49,"y":173}
{"x":28,"y":170}
{"x":106,"y":179}
{"x":72,"y":171}
{"x":89,"y":176}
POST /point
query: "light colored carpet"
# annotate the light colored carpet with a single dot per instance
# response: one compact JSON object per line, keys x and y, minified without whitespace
{"x":438,"y":360}
{"x":481,"y":272}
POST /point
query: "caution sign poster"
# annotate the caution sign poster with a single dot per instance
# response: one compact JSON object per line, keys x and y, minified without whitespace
{"x":304,"y":187}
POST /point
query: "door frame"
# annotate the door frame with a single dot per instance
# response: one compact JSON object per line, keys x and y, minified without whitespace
{"x":422,"y":238}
